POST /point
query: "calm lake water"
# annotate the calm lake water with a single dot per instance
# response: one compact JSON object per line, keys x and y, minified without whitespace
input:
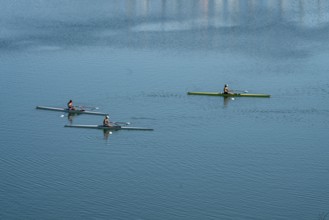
{"x":208,"y":157}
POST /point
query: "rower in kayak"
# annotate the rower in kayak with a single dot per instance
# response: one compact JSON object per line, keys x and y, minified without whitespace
{"x":106,"y":121}
{"x":70,"y":105}
{"x":226,"y":90}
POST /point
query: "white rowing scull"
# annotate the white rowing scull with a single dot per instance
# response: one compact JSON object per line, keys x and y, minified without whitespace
{"x":113,"y":127}
{"x":76,"y":111}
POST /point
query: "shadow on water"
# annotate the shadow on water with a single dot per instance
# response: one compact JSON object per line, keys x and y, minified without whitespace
{"x":189,"y":25}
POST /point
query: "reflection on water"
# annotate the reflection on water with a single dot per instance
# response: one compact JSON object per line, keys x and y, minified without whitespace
{"x":226,"y":10}
{"x":107,"y":134}
{"x":226,"y":101}
{"x":145,"y":23}
{"x":70,"y":117}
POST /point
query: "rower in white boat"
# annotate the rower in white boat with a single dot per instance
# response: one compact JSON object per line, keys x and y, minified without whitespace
{"x":70,"y":105}
{"x":106,"y":121}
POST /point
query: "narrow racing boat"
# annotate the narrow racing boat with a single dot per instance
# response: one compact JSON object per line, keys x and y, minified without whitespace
{"x":77,"y":111}
{"x":230,"y":95}
{"x":113,"y":127}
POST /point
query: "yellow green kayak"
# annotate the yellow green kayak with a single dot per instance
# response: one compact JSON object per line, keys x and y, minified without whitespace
{"x":230,"y":94}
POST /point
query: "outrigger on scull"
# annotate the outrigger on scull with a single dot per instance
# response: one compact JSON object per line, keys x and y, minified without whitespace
{"x":71,"y":111}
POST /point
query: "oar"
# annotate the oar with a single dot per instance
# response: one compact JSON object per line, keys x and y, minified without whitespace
{"x":120,"y":123}
{"x":236,"y":90}
{"x":84,"y":107}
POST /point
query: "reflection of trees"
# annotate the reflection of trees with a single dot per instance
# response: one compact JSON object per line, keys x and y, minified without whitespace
{"x":232,"y":11}
{"x":214,"y":24}
{"x":222,"y":24}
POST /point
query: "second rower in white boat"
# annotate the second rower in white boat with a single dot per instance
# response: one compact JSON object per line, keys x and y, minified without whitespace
{"x":70,"y":105}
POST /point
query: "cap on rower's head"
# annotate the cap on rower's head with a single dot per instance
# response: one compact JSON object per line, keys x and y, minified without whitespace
{"x":226,"y":85}
{"x":107,"y":116}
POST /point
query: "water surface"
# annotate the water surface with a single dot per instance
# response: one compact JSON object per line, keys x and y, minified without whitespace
{"x":208,"y":157}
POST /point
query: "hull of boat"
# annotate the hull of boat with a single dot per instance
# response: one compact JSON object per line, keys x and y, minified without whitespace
{"x":71,"y":111}
{"x":110,"y":128}
{"x":230,"y":95}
